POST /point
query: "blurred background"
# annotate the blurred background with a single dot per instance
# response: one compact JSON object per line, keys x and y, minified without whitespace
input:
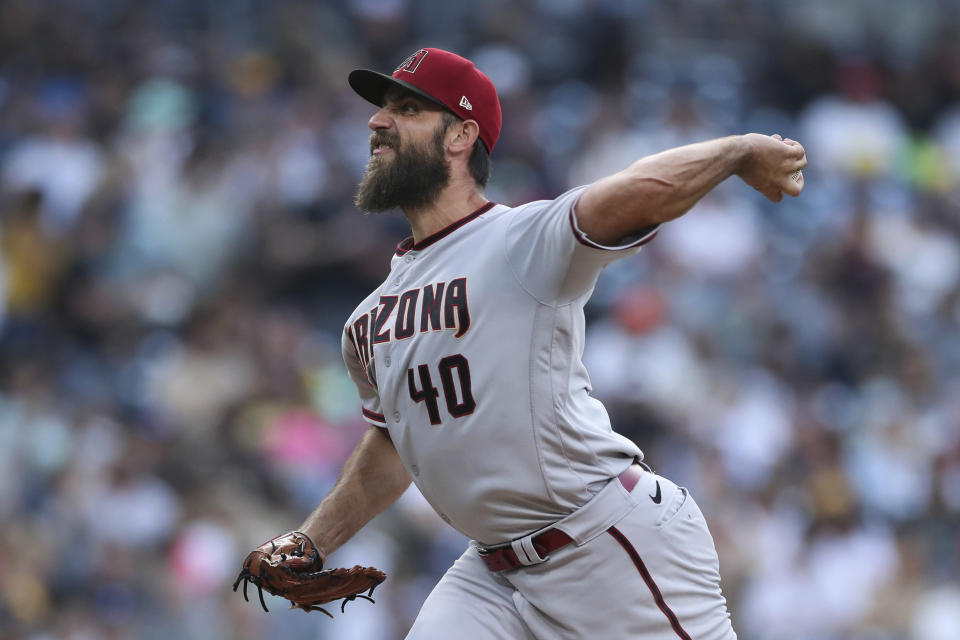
{"x":179,"y":250}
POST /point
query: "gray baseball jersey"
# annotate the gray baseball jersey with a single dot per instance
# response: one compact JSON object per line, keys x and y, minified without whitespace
{"x":469,"y":353}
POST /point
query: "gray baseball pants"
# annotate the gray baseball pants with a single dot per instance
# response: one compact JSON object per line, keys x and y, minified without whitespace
{"x":653,"y":574}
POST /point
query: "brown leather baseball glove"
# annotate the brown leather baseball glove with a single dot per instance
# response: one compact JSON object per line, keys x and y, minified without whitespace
{"x":291,"y":566}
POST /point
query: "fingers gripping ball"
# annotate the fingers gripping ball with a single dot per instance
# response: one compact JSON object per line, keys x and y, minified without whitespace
{"x":291,"y":566}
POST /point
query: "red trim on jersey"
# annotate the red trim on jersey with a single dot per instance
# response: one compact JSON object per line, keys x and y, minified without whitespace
{"x":584,"y":240}
{"x":409,"y":245}
{"x":373,"y":416}
{"x":654,"y":589}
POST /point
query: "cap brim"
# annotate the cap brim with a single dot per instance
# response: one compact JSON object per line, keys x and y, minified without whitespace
{"x":373,"y":86}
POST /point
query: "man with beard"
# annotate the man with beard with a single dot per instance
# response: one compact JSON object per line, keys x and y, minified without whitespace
{"x":467,"y":362}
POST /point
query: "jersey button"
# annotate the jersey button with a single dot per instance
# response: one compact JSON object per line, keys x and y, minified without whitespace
{"x":408,"y":259}
{"x":396,"y":416}
{"x":386,"y":360}
{"x":415,"y":469}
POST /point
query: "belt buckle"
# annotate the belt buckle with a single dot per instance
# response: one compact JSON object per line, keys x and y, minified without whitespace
{"x":484,"y":550}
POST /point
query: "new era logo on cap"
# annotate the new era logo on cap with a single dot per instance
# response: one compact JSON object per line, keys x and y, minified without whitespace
{"x":444,"y":78}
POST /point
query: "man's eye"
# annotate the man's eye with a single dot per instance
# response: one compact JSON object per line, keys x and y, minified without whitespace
{"x":409,"y":108}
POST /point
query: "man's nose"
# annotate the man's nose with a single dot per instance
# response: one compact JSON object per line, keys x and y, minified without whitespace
{"x":379,"y":120}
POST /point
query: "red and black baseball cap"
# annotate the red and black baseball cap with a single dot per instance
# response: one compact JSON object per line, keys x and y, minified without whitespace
{"x":442,"y":77}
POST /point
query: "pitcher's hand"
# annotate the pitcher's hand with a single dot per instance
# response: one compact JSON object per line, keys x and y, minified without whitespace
{"x":770,"y":165}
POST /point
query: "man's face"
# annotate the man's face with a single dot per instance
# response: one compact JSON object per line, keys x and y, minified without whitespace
{"x":407,"y":167}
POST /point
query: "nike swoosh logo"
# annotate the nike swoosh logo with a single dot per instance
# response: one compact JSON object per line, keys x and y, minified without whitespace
{"x":656,"y":498}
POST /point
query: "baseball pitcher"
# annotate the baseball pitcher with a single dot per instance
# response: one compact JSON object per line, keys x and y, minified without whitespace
{"x":467,"y":360}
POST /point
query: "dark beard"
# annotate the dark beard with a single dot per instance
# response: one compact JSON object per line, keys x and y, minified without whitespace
{"x":412,"y":180}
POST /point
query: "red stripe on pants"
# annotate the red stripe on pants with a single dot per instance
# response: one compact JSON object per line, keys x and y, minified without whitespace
{"x":654,"y":589}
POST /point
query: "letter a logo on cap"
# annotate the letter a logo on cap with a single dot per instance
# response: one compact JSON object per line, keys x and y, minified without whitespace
{"x":410,"y":64}
{"x":466,"y":103}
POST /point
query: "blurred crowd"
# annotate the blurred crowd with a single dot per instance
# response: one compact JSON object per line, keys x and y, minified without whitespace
{"x":179,"y":250}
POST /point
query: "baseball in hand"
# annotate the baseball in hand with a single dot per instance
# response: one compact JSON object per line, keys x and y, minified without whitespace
{"x":797,"y":177}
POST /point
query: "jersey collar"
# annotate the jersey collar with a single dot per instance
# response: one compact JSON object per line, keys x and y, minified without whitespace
{"x":407,"y":244}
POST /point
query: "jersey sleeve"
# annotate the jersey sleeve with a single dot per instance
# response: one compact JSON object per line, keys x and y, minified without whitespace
{"x":551,"y":257}
{"x":366,"y":385}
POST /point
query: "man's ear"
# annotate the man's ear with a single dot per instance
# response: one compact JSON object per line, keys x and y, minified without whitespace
{"x":462,"y":136}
